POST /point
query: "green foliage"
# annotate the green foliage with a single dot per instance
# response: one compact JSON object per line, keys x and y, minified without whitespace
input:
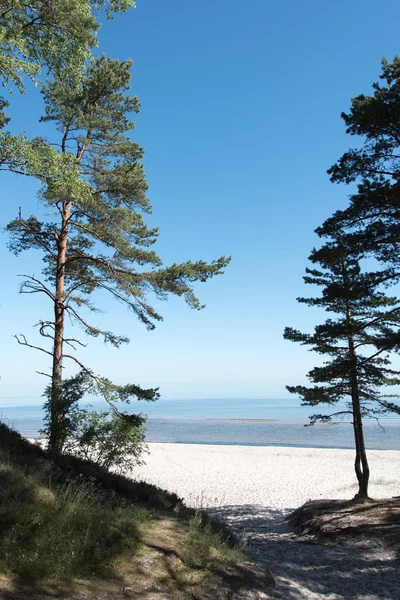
{"x":67,"y":414}
{"x":61,"y":520}
{"x":60,"y":530}
{"x":99,"y":175}
{"x":94,"y":237}
{"x":371,"y":220}
{"x":57,"y":35}
{"x":357,"y":343}
{"x":207,"y":544}
{"x":116,"y":442}
{"x":32,"y":457}
{"x":365,"y":317}
{"x":110,"y":442}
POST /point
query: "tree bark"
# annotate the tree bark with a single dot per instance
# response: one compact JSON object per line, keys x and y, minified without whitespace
{"x":57,"y":411}
{"x":56,"y":438}
{"x":361,"y":462}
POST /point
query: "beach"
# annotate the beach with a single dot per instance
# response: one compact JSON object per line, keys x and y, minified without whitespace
{"x":212,"y":476}
{"x":254,"y":488}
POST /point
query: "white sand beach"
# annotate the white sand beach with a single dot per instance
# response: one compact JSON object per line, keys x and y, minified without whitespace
{"x":254,"y":488}
{"x":278,"y":477}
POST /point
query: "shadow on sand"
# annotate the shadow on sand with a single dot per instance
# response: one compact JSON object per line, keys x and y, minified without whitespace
{"x":309,"y":569}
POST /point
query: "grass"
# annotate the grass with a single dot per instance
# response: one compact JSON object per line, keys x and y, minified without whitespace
{"x":205,"y":545}
{"x":371,"y":522}
{"x":71,"y":526}
{"x":48,"y":531}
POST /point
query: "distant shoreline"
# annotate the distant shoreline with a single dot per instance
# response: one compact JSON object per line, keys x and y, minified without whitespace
{"x":249,"y":445}
{"x":267,"y":445}
{"x":219,"y":419}
{"x":255,"y":430}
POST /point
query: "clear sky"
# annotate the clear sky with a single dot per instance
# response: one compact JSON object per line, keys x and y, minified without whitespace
{"x":240,"y":120}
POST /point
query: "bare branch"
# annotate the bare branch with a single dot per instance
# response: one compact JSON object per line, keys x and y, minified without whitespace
{"x":39,"y":287}
{"x":45,"y":374}
{"x":42,"y":329}
{"x":69,"y":340}
{"x":379,"y":423}
{"x":25,"y":343}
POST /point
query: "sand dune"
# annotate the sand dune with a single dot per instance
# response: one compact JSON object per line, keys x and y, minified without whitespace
{"x":254,"y":488}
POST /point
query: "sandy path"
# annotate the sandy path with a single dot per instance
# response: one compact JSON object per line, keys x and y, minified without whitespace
{"x":253,"y":488}
{"x":309,"y":571}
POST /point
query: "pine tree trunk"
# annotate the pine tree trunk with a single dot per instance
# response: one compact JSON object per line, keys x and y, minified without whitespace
{"x":57,"y":437}
{"x":361,"y":466}
{"x":361,"y":462}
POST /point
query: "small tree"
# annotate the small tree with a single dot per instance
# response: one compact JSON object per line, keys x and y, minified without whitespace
{"x":357,"y":342}
{"x":96,"y":189}
{"x":113,"y":440}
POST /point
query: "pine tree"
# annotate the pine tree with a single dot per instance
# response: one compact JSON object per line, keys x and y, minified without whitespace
{"x":356,"y":342}
{"x":371,"y":222}
{"x":97,"y":240}
{"x":54,"y":34}
{"x":50,"y":35}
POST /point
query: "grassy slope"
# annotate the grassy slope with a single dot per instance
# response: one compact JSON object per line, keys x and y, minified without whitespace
{"x":73,"y":530}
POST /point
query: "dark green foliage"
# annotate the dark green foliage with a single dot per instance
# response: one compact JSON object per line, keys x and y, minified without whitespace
{"x":112,"y":442}
{"x":355,"y":342}
{"x":371,"y":221}
{"x":66,"y":468}
{"x":69,"y":532}
{"x":109,"y":441}
{"x":363,"y":313}
{"x":104,"y":185}
{"x":95,"y":238}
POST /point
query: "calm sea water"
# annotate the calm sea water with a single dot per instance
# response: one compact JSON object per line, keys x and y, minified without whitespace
{"x":228,"y":421}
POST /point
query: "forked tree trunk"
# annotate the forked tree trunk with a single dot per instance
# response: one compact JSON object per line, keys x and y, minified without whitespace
{"x":56,"y":438}
{"x":361,"y":462}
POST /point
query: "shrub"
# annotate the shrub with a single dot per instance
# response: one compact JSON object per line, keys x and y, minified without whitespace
{"x":115,"y":442}
{"x":111,"y":439}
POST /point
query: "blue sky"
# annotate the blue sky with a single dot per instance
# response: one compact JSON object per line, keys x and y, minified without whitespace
{"x":240,"y":120}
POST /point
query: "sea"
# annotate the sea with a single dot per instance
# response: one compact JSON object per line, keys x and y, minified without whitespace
{"x":232,"y":421}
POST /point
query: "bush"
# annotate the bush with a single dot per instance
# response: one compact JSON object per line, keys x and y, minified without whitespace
{"x":111,"y":439}
{"x":114,"y":442}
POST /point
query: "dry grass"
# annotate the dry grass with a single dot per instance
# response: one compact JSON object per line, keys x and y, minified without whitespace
{"x":71,"y":531}
{"x":371,"y":522}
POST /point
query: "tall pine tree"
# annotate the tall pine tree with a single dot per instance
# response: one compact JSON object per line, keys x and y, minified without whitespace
{"x":54,"y":34}
{"x":94,"y":185}
{"x":372,"y":220}
{"x":355,"y":341}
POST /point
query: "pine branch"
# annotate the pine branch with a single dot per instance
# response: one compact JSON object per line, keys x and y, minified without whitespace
{"x":25,"y":343}
{"x":36,"y":287}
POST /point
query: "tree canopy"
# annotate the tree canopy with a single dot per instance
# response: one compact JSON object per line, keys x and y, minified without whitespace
{"x":371,"y":221}
{"x":54,"y":34}
{"x":355,"y":343}
{"x":95,"y":237}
